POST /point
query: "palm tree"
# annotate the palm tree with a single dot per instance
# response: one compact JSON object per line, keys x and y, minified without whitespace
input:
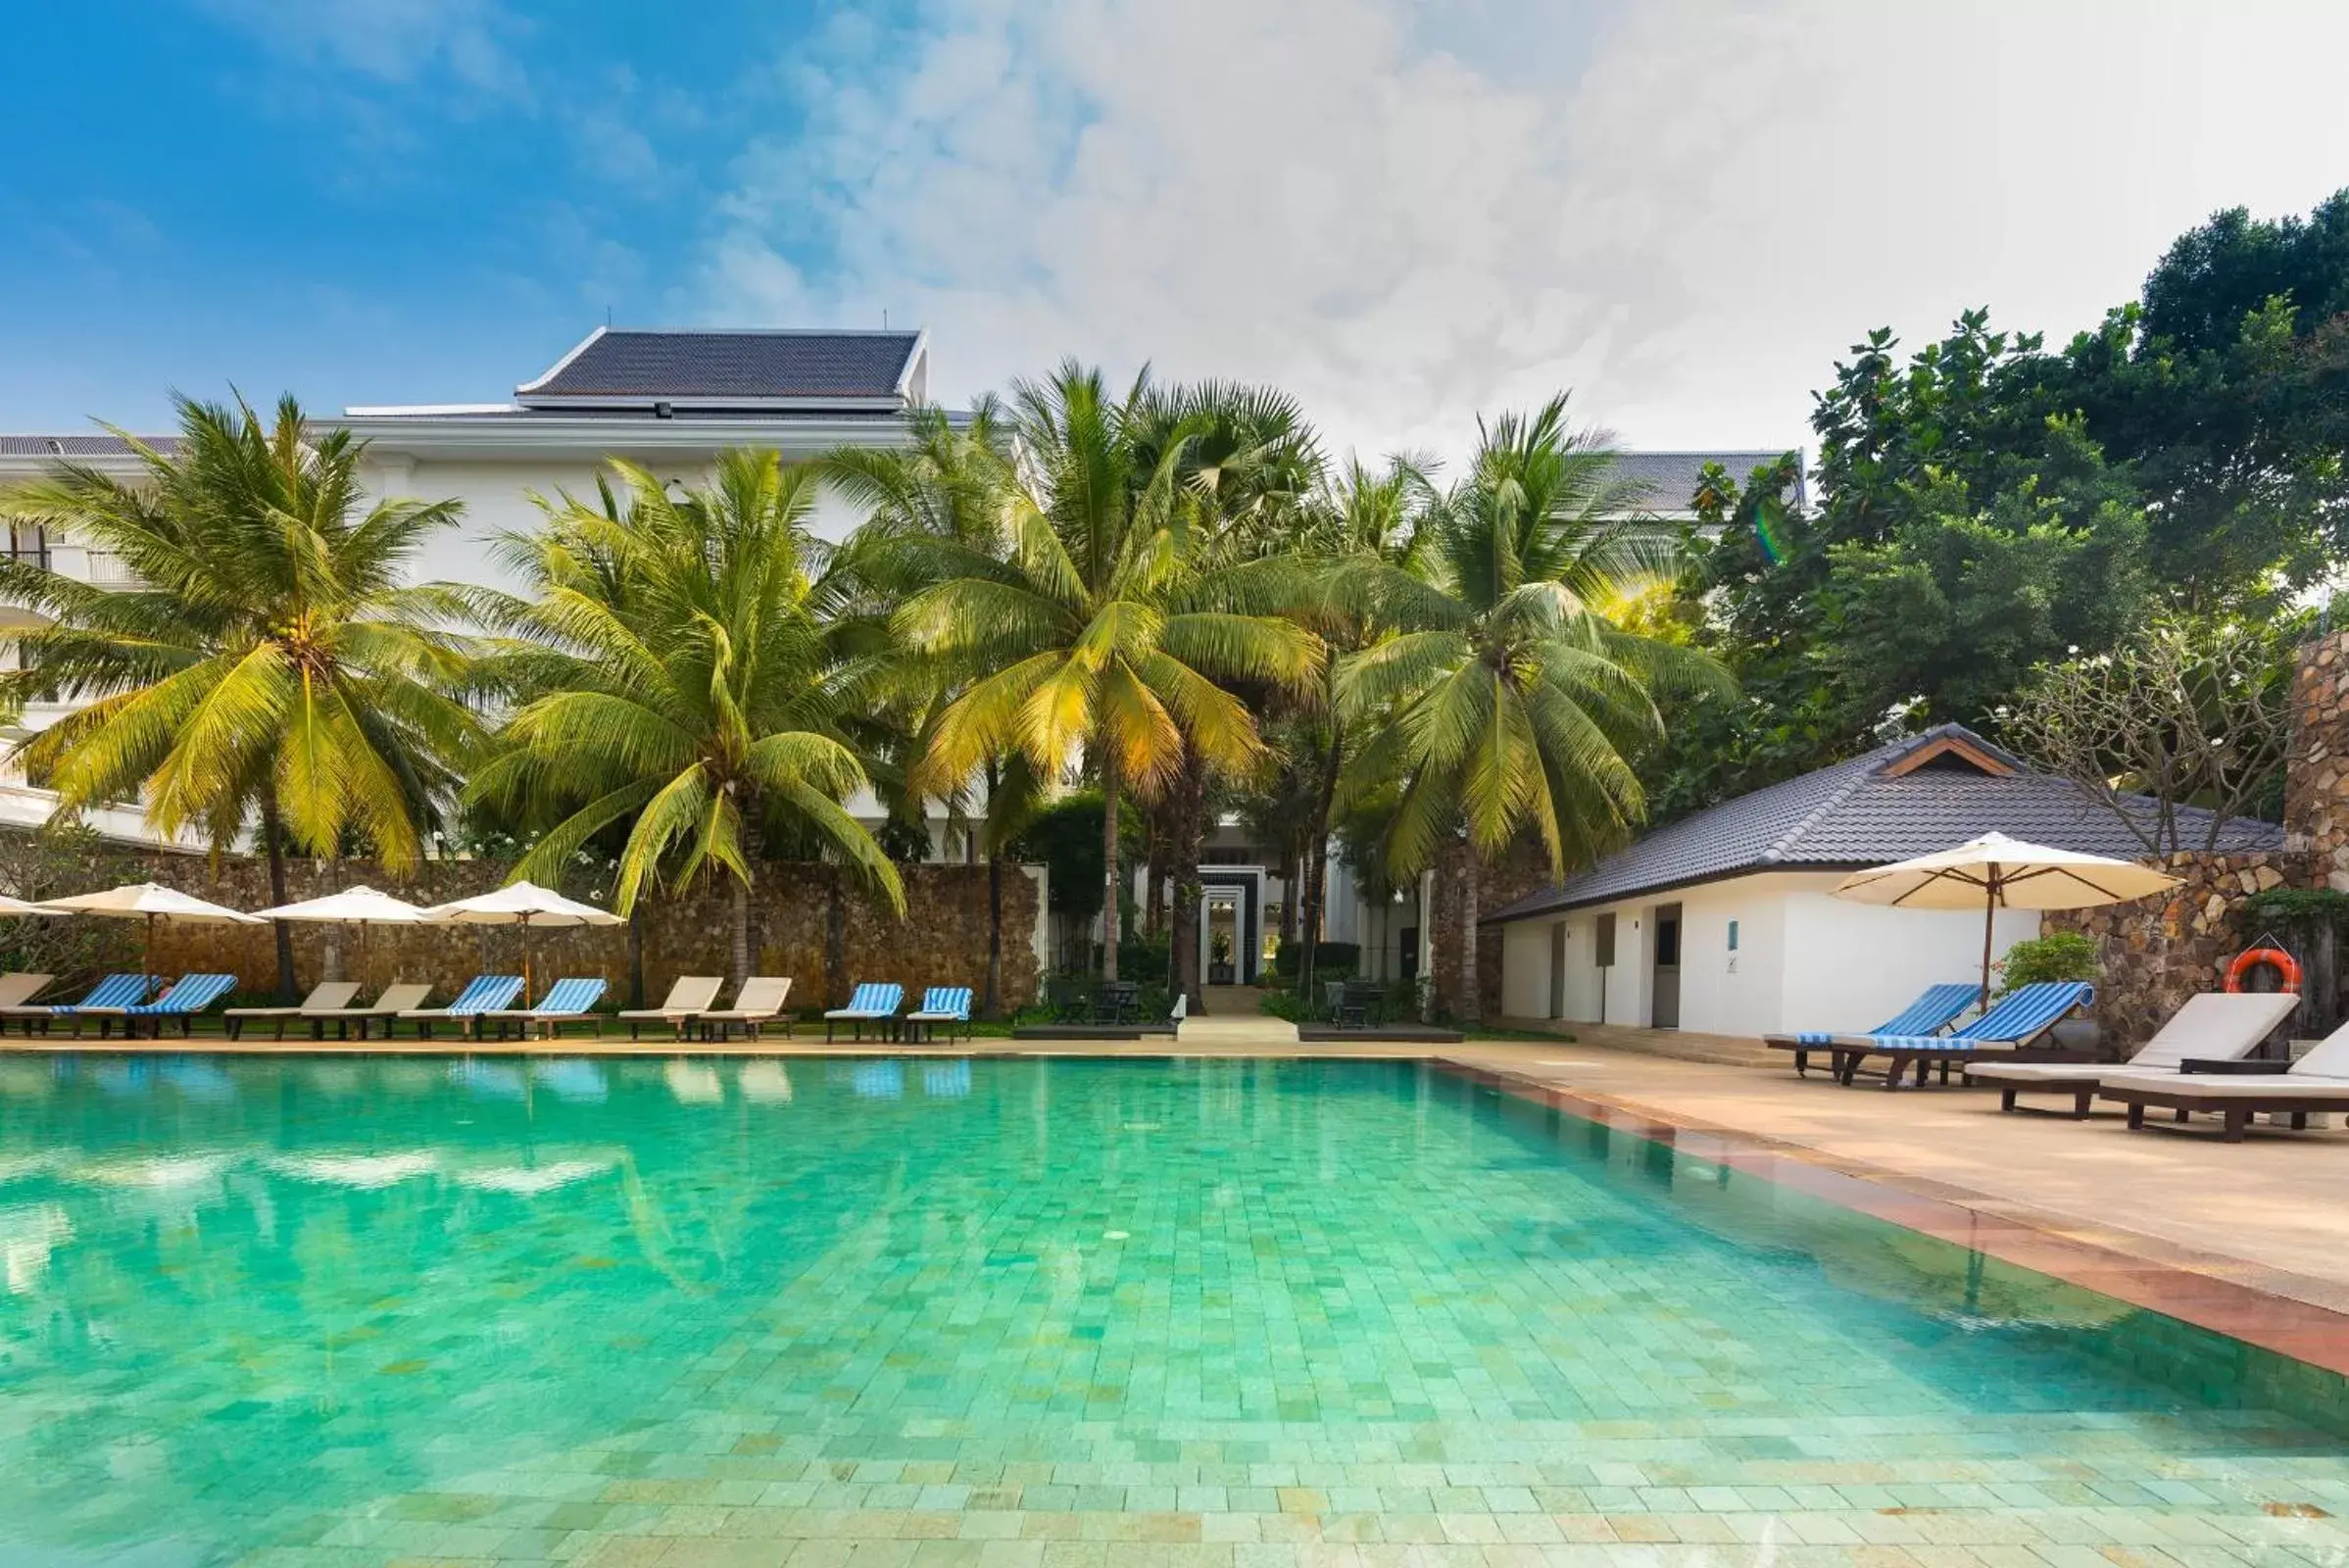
{"x":1096,"y":626}
{"x":1499,"y":694}
{"x":929,"y":507}
{"x":268,"y":670}
{"x":679,"y":680}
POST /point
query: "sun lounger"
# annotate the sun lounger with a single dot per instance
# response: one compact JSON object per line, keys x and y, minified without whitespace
{"x":487,"y":992}
{"x":2214,"y":1026}
{"x":395,"y":1000}
{"x":189,"y":996}
{"x":757,"y":1004}
{"x":567,"y":1001}
{"x":942,"y":1005}
{"x":329,"y":996}
{"x":2240,"y":1089}
{"x":1929,"y":1014}
{"x":16,"y":988}
{"x":874,"y":1001}
{"x":2012,"y":1022}
{"x":692,"y":996}
{"x":114,"y":992}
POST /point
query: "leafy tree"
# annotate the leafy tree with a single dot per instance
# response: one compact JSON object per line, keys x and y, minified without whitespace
{"x":1088,"y":629}
{"x":1499,"y":698}
{"x":679,"y":680}
{"x":270,"y":672}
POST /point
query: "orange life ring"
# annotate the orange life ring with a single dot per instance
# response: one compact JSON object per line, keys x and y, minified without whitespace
{"x":2251,"y":958}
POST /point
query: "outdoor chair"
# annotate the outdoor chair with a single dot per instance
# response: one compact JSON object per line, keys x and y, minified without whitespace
{"x":2240,"y":1089}
{"x":395,"y":1002}
{"x":1064,"y":995}
{"x":16,"y":988}
{"x":1346,"y":1007}
{"x":2214,"y":1026}
{"x":325,"y":997}
{"x":189,"y":996}
{"x":1116,"y":1001}
{"x":108,"y":995}
{"x":941,"y":1005}
{"x":487,"y":992}
{"x":873,"y":1001}
{"x":567,"y":1001}
{"x":1930,"y":1014}
{"x":2012,"y":1022}
{"x":688,"y":998}
{"x":757,"y":1004}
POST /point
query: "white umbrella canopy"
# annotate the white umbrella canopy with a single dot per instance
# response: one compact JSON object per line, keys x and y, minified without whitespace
{"x":154,"y":903}
{"x":526,"y":905}
{"x":9,"y":907}
{"x":1995,"y":873}
{"x":362,"y":907}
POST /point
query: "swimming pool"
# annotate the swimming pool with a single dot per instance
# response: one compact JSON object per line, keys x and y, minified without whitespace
{"x":335,"y":1310}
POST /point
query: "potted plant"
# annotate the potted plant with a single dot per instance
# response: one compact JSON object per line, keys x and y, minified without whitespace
{"x":1219,"y":959}
{"x":2057,"y":955}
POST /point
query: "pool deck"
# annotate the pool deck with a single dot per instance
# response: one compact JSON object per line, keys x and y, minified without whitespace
{"x":2251,"y":1238}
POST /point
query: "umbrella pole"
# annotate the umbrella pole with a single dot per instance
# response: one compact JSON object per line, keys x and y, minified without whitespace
{"x":1989,"y":920}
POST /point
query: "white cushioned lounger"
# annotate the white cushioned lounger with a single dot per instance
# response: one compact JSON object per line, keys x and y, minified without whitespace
{"x":2212,"y":1026}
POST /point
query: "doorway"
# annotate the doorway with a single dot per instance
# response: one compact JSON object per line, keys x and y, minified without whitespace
{"x":1223,"y":938}
{"x":1667,"y":1012}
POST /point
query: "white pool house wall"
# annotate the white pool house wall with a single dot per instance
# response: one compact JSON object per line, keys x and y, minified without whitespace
{"x":1804,"y":959}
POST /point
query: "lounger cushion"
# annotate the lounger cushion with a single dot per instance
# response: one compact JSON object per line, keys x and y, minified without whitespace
{"x":2212,"y":1026}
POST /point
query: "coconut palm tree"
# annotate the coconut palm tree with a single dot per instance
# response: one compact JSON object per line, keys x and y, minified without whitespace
{"x":268,"y":670}
{"x":677,"y":678}
{"x":1498,"y":694}
{"x":929,"y":507}
{"x":1099,"y":626}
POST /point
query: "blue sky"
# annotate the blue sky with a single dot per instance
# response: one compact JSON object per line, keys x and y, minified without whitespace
{"x":426,"y":207}
{"x":1407,"y":212}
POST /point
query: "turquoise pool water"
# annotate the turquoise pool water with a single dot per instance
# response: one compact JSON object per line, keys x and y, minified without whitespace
{"x":338,"y":1311}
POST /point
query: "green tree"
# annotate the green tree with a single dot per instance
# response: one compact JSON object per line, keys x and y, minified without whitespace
{"x":678,"y":678}
{"x":1499,"y":698}
{"x":1088,"y":630}
{"x":270,"y":672}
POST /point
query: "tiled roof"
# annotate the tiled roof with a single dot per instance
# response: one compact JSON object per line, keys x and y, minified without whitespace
{"x":1857,"y":814}
{"x":77,"y":446}
{"x":1671,"y":477}
{"x":716,"y":367}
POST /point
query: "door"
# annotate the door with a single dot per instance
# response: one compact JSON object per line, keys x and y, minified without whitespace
{"x":1667,"y":1012}
{"x":1557,"y":971}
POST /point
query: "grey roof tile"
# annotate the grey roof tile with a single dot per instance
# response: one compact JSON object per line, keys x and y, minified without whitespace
{"x":1853,"y":814}
{"x":77,"y":446}
{"x":713,"y":366}
{"x":1671,"y":477}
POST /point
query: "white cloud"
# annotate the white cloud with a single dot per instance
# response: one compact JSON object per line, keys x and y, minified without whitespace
{"x":399,"y":41}
{"x":1408,"y":213}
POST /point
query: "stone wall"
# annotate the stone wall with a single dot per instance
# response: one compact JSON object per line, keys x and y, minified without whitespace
{"x":2156,"y":954}
{"x":941,"y":941}
{"x":2316,"y":794}
{"x":1523,"y":869}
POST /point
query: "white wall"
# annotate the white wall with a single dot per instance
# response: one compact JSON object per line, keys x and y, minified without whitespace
{"x":1850,"y":966}
{"x":1804,"y":959}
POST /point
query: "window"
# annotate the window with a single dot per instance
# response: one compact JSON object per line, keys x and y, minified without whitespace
{"x":1733,"y":935}
{"x":1607,"y":942}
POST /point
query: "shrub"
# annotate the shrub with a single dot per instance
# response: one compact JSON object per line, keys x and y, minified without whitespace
{"x":2058,"y":955}
{"x":1333,"y":960}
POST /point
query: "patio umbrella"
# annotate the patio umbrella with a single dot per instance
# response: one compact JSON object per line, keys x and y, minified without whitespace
{"x":526,"y":905}
{"x":11,"y":907}
{"x":1995,"y":873}
{"x":359,"y":906}
{"x":152,"y":904}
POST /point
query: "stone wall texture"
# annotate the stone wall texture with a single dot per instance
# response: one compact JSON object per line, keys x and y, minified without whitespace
{"x":1523,"y":869}
{"x":2316,"y":794}
{"x":941,"y":941}
{"x":2157,"y":953}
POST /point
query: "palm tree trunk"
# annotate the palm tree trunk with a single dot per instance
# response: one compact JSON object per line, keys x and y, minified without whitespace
{"x":636,"y":956}
{"x":273,"y":841}
{"x":1109,"y":863}
{"x":836,"y":940}
{"x":1190,"y":828}
{"x":1472,"y":998}
{"x":742,"y":931}
{"x":994,"y":935}
{"x":1317,"y":858}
